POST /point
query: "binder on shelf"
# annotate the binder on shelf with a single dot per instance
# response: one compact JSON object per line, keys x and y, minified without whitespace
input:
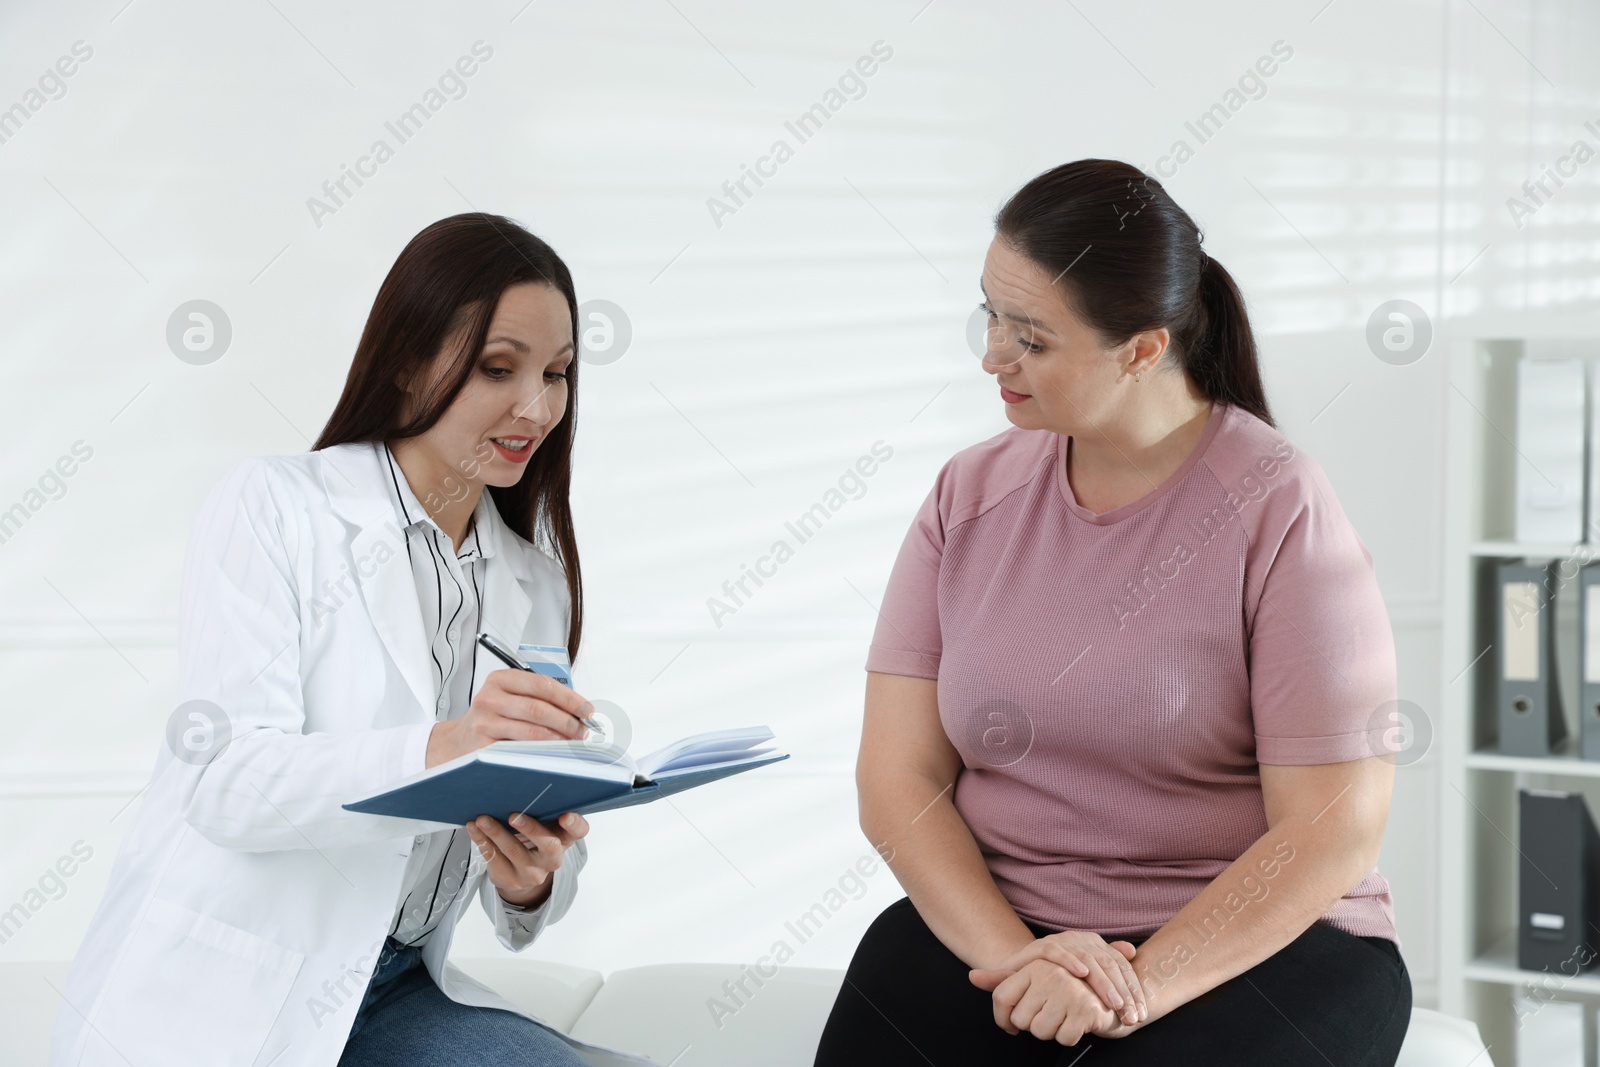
{"x":1550,"y":431}
{"x":1530,"y":718}
{"x":1589,"y":661}
{"x":1558,"y":883}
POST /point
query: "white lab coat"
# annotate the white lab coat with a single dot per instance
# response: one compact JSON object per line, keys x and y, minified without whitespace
{"x":246,"y":909}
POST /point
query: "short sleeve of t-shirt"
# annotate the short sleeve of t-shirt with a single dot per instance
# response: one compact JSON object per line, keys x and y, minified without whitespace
{"x":1322,"y":663}
{"x":906,"y":640}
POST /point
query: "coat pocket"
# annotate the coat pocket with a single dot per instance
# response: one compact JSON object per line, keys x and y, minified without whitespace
{"x":193,"y":989}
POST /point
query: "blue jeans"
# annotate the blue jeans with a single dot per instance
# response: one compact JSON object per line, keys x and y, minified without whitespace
{"x":405,"y":1019}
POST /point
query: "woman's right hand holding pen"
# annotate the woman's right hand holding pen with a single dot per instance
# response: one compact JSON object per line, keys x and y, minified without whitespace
{"x":511,"y":705}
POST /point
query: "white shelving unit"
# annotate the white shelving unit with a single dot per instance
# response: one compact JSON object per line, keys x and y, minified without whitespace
{"x":1478,"y":975}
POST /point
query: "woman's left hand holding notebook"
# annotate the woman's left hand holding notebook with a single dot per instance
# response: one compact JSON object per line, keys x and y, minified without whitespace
{"x":522,"y":857}
{"x":514,"y":705}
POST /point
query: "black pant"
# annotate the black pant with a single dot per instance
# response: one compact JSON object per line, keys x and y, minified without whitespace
{"x":1328,"y":997}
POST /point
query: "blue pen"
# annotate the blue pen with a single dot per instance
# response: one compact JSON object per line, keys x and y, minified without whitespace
{"x":510,"y":660}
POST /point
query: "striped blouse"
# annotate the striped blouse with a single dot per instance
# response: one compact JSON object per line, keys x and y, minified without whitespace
{"x":450,"y":590}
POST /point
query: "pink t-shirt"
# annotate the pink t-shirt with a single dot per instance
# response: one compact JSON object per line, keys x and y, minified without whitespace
{"x":1112,"y":682}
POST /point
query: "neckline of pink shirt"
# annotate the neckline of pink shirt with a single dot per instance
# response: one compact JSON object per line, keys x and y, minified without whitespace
{"x":1115,"y":515}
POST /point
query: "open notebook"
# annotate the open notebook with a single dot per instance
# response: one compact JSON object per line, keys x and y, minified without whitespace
{"x":546,"y":778}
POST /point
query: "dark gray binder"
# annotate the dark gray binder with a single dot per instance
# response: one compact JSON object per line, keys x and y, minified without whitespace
{"x":1531,"y":723}
{"x":1589,"y":660}
{"x":1558,"y":883}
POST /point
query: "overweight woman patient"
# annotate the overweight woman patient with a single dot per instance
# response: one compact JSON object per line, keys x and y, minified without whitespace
{"x":1124,"y":737}
{"x":329,"y":606}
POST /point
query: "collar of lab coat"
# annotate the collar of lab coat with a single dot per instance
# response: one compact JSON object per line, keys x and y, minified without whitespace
{"x":352,"y":476}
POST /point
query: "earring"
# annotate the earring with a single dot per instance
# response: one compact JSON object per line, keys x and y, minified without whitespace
{"x":1135,"y":377}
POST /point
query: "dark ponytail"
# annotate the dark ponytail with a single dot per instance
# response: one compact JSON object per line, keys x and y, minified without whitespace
{"x":1128,"y":259}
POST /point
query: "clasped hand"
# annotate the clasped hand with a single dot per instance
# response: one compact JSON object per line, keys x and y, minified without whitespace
{"x":1065,"y":985}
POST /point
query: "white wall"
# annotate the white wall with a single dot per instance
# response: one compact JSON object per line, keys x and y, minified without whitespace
{"x":768,"y":352}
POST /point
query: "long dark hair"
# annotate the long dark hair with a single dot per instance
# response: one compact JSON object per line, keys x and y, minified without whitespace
{"x":1128,"y":259}
{"x":448,"y":277}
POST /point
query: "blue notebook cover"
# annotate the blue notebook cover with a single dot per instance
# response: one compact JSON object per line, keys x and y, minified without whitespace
{"x":475,"y":788}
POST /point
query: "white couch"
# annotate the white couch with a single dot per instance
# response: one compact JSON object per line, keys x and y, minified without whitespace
{"x":659,"y":1010}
